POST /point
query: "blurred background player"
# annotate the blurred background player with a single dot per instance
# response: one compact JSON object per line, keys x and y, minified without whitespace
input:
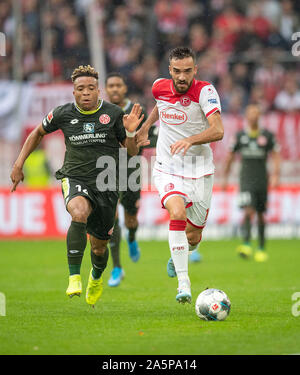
{"x":37,"y":170}
{"x":116,"y":89}
{"x":254,"y":144}
{"x":189,"y":112}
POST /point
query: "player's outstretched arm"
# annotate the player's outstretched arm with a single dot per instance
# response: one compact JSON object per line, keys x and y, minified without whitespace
{"x":131,"y":122}
{"x":214,"y":133}
{"x":32,"y":141}
{"x":227,"y":166}
{"x":274,"y":180}
{"x":142,"y":133}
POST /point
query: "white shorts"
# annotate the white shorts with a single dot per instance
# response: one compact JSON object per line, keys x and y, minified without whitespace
{"x":196,"y":193}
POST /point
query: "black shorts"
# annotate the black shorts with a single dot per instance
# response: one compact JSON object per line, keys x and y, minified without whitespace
{"x":256,"y":198}
{"x":101,"y":220}
{"x":130,"y":200}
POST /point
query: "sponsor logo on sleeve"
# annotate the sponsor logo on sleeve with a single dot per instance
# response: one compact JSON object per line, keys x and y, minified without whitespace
{"x":50,"y":116}
{"x":212,"y":101}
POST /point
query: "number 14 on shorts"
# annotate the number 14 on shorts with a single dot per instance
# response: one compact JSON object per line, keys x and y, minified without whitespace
{"x":79,"y":188}
{"x":244,"y":199}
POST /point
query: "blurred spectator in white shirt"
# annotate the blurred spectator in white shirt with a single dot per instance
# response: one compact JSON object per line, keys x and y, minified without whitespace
{"x":288,"y":99}
{"x":269,"y":75}
{"x":289,"y":20}
{"x":271,"y":10}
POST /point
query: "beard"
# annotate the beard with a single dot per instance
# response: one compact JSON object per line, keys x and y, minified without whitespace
{"x":184,"y":88}
{"x":116,"y":99}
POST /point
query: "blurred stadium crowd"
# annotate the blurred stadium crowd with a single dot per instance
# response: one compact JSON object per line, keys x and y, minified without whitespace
{"x":243,"y":47}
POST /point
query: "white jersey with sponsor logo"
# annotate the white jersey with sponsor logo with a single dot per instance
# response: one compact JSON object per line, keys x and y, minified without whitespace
{"x":181,"y":116}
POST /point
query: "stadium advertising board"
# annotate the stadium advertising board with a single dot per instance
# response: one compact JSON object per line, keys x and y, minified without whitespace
{"x":41,"y":213}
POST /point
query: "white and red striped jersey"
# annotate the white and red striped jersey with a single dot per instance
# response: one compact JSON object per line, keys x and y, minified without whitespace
{"x":181,"y":116}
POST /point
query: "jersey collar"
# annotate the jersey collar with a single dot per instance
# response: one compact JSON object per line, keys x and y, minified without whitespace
{"x":127,"y":105}
{"x":253,"y":133}
{"x":89,"y":112}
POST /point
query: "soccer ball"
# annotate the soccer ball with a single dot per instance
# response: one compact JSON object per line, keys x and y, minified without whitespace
{"x":212,"y":304}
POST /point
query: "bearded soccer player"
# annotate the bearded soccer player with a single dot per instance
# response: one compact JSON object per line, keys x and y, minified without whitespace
{"x":116,"y":90}
{"x":93,"y":128}
{"x":254,"y":144}
{"x":189,"y":112}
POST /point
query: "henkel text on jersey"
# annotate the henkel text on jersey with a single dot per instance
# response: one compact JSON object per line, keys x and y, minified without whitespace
{"x":181,"y":116}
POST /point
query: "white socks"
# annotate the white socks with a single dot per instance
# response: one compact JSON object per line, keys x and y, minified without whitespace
{"x":193,"y":248}
{"x":179,"y":248}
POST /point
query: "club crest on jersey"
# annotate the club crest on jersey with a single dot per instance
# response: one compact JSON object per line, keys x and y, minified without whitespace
{"x":104,"y":119}
{"x":173,"y":116}
{"x":169,"y":187}
{"x":89,"y":127}
{"x":262,"y":140}
{"x":185,"y":101}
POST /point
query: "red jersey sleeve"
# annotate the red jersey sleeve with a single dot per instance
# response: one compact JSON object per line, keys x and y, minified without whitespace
{"x":159,"y":87}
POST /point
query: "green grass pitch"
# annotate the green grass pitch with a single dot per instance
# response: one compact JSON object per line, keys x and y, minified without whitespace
{"x":141,"y":316}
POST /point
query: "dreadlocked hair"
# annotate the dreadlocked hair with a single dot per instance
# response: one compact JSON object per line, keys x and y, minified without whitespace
{"x":84,"y":71}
